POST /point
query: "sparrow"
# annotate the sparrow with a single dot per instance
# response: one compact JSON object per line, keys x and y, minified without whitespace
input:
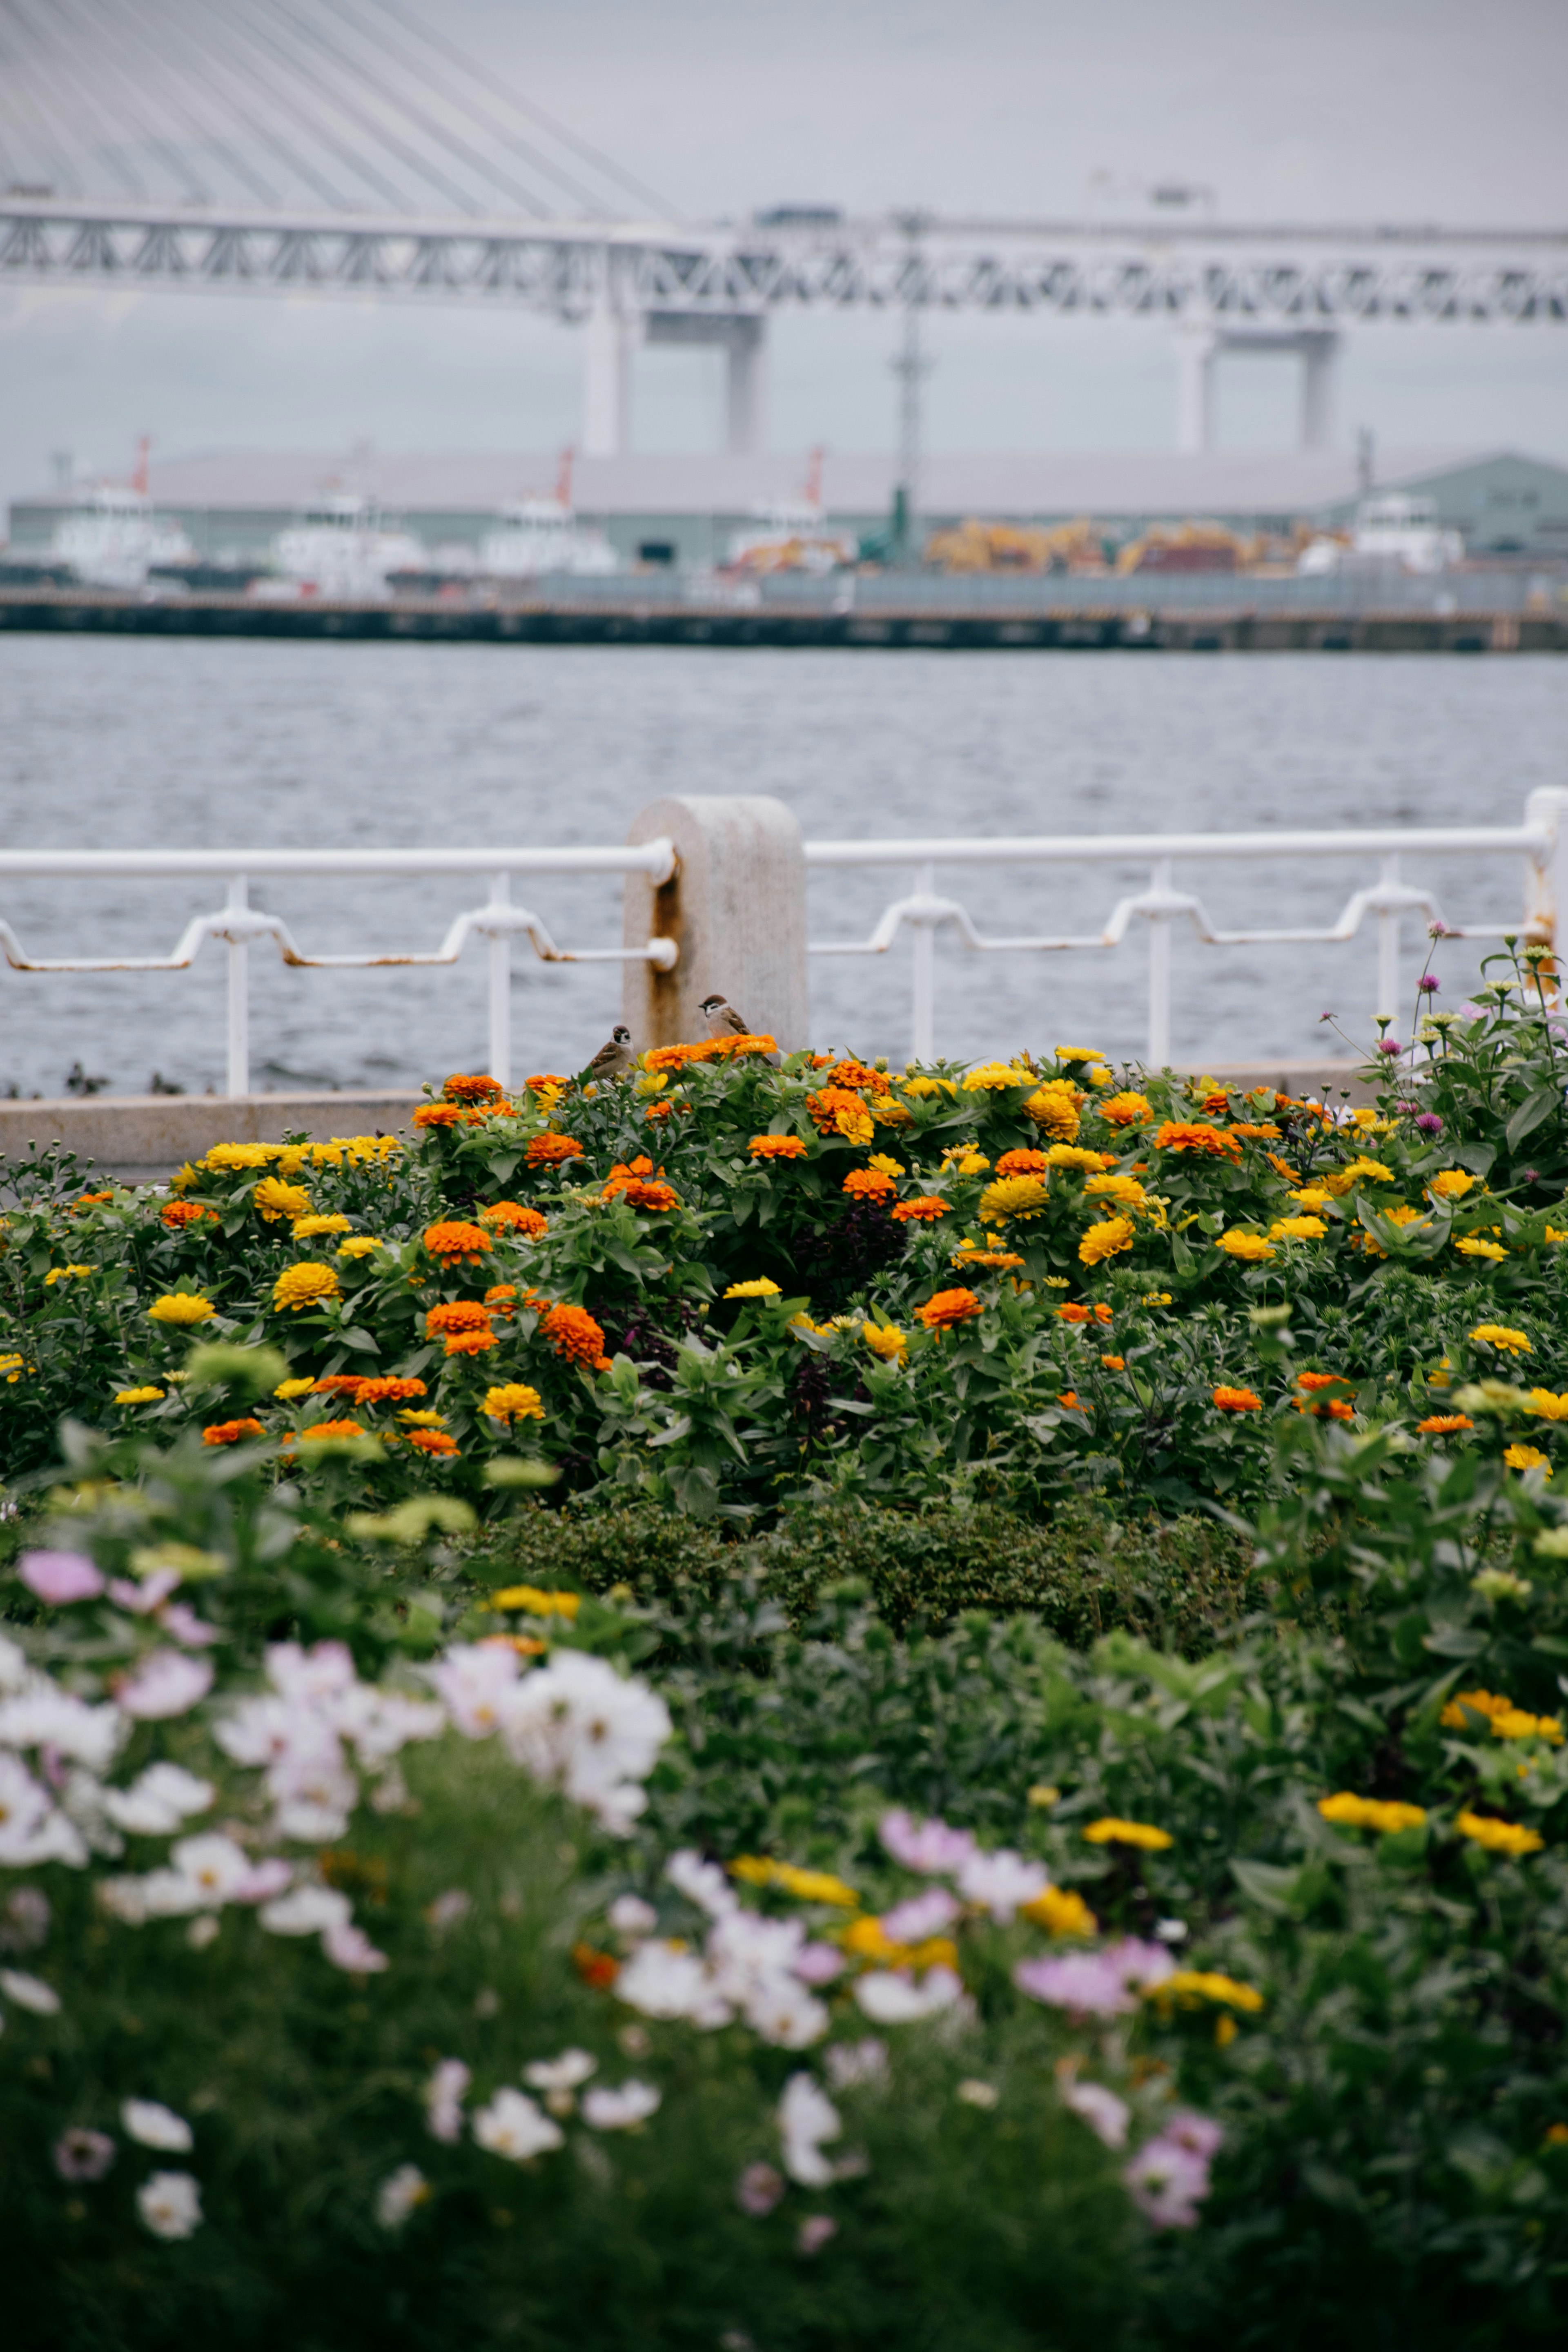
{"x":613,"y":1058}
{"x":723,"y":1021}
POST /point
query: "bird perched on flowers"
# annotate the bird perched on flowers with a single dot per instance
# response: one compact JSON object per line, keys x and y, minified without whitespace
{"x":723,"y":1021}
{"x":615,"y":1057}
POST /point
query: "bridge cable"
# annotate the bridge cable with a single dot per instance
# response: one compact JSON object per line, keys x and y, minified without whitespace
{"x":204,"y":134}
{"x":211,"y":70}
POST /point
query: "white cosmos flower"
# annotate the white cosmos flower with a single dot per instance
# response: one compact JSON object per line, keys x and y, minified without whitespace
{"x":702,"y":1883}
{"x":889,"y":1997}
{"x":44,"y":1716}
{"x":849,"y":2062}
{"x":807,"y":2117}
{"x":662,"y":1980}
{"x":216,"y":1868}
{"x":1002,"y":1882}
{"x":630,"y":1915}
{"x":619,"y":2110}
{"x":308,"y":1910}
{"x":380,"y":1723}
{"x":24,"y":1805}
{"x":156,"y":2125}
{"x":786,"y":2014}
{"x":14,"y":1667}
{"x":474,"y":1683}
{"x":563,"y":2074}
{"x":166,"y":1683}
{"x":593,"y":1732}
{"x":444,"y":2094}
{"x":515,"y":2127}
{"x":170,"y":2203}
{"x":158,"y":1801}
{"x":313,"y":1676}
{"x":349,"y":1947}
{"x":29,"y":1992}
{"x":398,"y":2195}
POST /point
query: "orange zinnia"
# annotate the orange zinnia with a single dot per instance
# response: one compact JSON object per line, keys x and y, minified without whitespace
{"x":920,"y":1211}
{"x":432,"y":1441}
{"x":387,"y":1391}
{"x":175,"y":1214}
{"x":501,"y":1299}
{"x":338,"y":1384}
{"x":574,"y":1334}
{"x":1023,"y":1163}
{"x":457,"y":1315}
{"x":471,"y":1343}
{"x":461,"y":1089}
{"x":628,"y":1180}
{"x":1444,"y":1425}
{"x":948,"y":1307}
{"x":550,"y":1150}
{"x":1238,"y":1401}
{"x":332,"y":1429}
{"x":1196,"y":1135}
{"x":1321,"y":1381}
{"x":438,"y":1115}
{"x":512,"y":1217}
{"x":455,"y":1242}
{"x":857,"y":1074}
{"x":776,"y":1146}
{"x":229,"y":1432}
{"x":868,"y":1184}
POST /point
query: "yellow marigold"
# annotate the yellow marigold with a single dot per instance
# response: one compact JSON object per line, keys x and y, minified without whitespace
{"x":1484,"y":1702}
{"x":1189,"y":1986}
{"x":275,"y":1199}
{"x":1471,"y":1247}
{"x":885,"y":1339}
{"x":1517,"y":1723}
{"x":1231,"y":1400}
{"x":1062,"y":1912}
{"x":66,"y":1274}
{"x":360,"y":1245}
{"x":971,"y":1254}
{"x":1499,"y":1335}
{"x":181,"y":1306}
{"x":1055,"y":1105}
{"x":1125,"y":1189}
{"x":1297,"y":1229}
{"x":761,"y":1287}
{"x":807,"y":1885}
{"x":307,"y":1228}
{"x":1078,"y":1054}
{"x":1498,"y":1837}
{"x":226,"y":1158}
{"x":287,"y":1391}
{"x":968,"y":1161}
{"x":1451,"y":1184}
{"x":514,"y":1401}
{"x":1353,"y":1813}
{"x":1103,"y":1241}
{"x":304,"y":1285}
{"x":1312,"y":1197}
{"x":886,"y":1164}
{"x":1014,"y":1196}
{"x":948,"y":1307}
{"x":1547,"y":1406}
{"x":1127,"y":1109}
{"x":995,"y":1077}
{"x":537,"y":1602}
{"x":11,"y":1366}
{"x":1112,"y":1830}
{"x":425,"y":1419}
{"x":1076,"y":1155}
{"x":1527,"y":1457}
{"x":921,"y":1087}
{"x":777,"y":1147}
{"x":1251,"y":1248}
{"x":129,"y":1396}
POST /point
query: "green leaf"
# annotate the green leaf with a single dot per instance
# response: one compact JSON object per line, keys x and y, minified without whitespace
{"x":1532,"y":1113}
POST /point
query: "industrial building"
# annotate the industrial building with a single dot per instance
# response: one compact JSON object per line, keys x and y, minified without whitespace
{"x":685,"y":511}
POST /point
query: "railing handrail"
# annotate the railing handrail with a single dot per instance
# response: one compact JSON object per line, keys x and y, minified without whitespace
{"x":1073,"y":848}
{"x":654,"y":858}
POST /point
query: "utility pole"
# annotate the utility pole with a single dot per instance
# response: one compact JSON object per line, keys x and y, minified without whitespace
{"x":911,"y":368}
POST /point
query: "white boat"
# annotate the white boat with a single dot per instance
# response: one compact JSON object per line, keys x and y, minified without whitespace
{"x":1393,"y":530}
{"x":113,"y":539}
{"x":791,"y":537}
{"x":340,"y":547}
{"x":538,"y":535}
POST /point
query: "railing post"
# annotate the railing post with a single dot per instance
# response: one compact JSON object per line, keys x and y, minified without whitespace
{"x":922,"y":963}
{"x":1160,"y":973}
{"x":500,"y":987}
{"x":1388,"y":952}
{"x":735,"y":908}
{"x":1546,"y":881}
{"x":238,"y":995}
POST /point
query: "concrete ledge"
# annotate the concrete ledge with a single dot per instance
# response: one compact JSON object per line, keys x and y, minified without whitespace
{"x":146,"y":1137}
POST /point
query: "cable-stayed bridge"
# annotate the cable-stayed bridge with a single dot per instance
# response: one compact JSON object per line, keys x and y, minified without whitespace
{"x":344,"y":148}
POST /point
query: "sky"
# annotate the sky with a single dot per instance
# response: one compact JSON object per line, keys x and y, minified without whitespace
{"x":1342,"y":110}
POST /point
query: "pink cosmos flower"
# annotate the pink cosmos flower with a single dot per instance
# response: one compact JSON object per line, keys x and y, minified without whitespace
{"x":148,"y":1592}
{"x":927,"y":1846}
{"x":348,"y":1947}
{"x":1095,"y":1984}
{"x":758,"y":2189}
{"x":817,"y":1964}
{"x":82,"y":2155}
{"x":921,"y":1915}
{"x":58,"y":1577}
{"x":814,"y":2232}
{"x":166,"y":1684}
{"x":1168,"y":2183}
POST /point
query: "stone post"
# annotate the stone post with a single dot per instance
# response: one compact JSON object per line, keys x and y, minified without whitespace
{"x":736,"y":908}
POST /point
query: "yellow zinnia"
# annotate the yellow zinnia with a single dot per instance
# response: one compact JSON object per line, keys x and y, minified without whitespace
{"x":1014,"y":1196}
{"x":181,"y":1306}
{"x":1104,"y":1240}
{"x":306,"y":1284}
{"x":760,"y":1287}
{"x":1499,"y":1837}
{"x":1112,"y":1830}
{"x":1251,"y":1248}
{"x":1499,"y":1335}
{"x":1354,"y":1812}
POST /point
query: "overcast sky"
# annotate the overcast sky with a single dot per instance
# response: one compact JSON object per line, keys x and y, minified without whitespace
{"x":1338,"y":109}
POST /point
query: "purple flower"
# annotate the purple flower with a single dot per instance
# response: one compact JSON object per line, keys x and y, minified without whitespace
{"x":1168,"y":2182}
{"x":1201,"y":2134}
{"x":922,"y":1915}
{"x":758,"y":2189}
{"x":1390,"y":1046}
{"x":82,"y":2155}
{"x":1428,"y":984}
{"x":815,"y":2231}
{"x":1439,"y":931}
{"x":929,"y":1846}
{"x":1429,"y":1123}
{"x":60,"y":1576}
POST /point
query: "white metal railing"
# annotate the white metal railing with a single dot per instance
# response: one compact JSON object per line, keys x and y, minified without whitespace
{"x":239,"y":924}
{"x":1541,"y":840}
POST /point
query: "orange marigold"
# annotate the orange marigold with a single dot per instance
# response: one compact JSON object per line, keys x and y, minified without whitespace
{"x":1336,"y":1408}
{"x":868,"y":1184}
{"x":1023,"y":1163}
{"x":471,"y":1343}
{"x":550,"y":1150}
{"x":574,"y":1334}
{"x":711,"y":1049}
{"x":457,"y":1315}
{"x":597,"y":1970}
{"x":455,"y":1241}
{"x":430,"y":1441}
{"x":501,"y":1299}
{"x":948,"y":1307}
{"x":461,"y":1089}
{"x":920,"y":1211}
{"x":438,"y":1115}
{"x":388,"y":1391}
{"x":329,"y":1429}
{"x":543,"y":1081}
{"x":338,"y":1384}
{"x":1196,"y":1135}
{"x":1444,"y":1425}
{"x":1321,"y":1381}
{"x":838,"y":1110}
{"x":229,"y":1432}
{"x":859,"y":1073}
{"x":512,"y":1217}
{"x":1238,"y":1401}
{"x":777,"y":1147}
{"x":175,"y":1214}
{"x":628,"y":1180}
